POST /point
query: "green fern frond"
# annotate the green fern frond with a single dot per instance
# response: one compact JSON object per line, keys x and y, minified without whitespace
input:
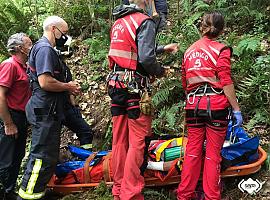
{"x":200,"y":6}
{"x":167,"y":91}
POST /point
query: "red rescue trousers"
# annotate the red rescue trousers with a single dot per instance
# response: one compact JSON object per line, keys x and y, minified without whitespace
{"x":200,"y":128}
{"x":128,"y":154}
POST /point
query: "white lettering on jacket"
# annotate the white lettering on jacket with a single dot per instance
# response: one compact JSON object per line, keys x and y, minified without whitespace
{"x":115,"y":33}
{"x":118,"y":27}
{"x":197,"y":54}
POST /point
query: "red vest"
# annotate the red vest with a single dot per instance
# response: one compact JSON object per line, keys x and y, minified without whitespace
{"x":123,"y":48}
{"x":200,"y":62}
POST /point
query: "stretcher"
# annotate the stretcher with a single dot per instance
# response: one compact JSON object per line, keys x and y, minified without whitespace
{"x":151,"y":180}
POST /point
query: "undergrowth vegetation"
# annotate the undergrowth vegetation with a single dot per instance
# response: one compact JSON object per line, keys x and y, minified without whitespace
{"x":90,"y":20}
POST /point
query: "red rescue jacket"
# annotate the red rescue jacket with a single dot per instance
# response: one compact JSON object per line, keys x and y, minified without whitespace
{"x":201,"y":65}
{"x":123,"y":48}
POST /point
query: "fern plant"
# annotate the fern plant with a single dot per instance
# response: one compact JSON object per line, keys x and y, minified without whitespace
{"x":168,"y":101}
{"x":169,"y":120}
{"x":167,"y":91}
{"x":12,"y":20}
{"x":254,"y":92}
{"x":248,"y":45}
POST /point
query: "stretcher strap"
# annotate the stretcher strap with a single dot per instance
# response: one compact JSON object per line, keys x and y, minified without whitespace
{"x":106,"y":168}
{"x":165,"y":145}
{"x":87,"y":169}
{"x":172,"y":171}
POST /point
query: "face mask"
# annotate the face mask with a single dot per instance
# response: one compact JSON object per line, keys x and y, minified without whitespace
{"x":65,"y":51}
{"x":59,"y":42}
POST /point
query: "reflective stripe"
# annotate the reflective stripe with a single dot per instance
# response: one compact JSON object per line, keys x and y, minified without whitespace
{"x":34,"y":176}
{"x":188,"y":50}
{"x":87,"y":146}
{"x":210,"y":56}
{"x":123,"y":54}
{"x":134,"y":22}
{"x":129,"y":29}
{"x":26,"y":195}
{"x":213,"y":49}
{"x":187,"y":55}
{"x":200,"y":79}
{"x":190,"y":155}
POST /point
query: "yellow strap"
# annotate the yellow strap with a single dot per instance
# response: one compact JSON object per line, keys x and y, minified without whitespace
{"x":87,"y":146}
{"x":26,"y":195}
{"x":34,"y":176}
{"x":179,"y":141}
{"x":165,"y":145}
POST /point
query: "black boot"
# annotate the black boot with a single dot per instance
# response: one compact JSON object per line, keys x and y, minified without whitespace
{"x":10,"y":196}
{"x":2,"y":193}
{"x":19,"y":198}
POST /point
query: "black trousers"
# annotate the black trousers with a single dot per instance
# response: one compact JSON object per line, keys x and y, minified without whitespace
{"x":12,"y":151}
{"x":75,"y":122}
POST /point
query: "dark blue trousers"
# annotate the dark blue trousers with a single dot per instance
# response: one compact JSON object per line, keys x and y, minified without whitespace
{"x":12,"y":151}
{"x":44,"y":153}
{"x":75,"y":122}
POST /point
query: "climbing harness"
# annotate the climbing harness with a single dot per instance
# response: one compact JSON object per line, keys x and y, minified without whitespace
{"x":203,"y":90}
{"x":135,"y":82}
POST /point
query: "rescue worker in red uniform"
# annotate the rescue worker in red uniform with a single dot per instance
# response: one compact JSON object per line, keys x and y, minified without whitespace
{"x":132,"y":59}
{"x":206,"y":79}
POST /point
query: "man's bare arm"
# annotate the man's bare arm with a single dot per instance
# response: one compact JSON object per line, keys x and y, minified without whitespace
{"x":48,"y":83}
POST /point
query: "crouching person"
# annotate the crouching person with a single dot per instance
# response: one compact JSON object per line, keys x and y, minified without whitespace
{"x":45,"y":108}
{"x":132,"y":59}
{"x":14,"y":94}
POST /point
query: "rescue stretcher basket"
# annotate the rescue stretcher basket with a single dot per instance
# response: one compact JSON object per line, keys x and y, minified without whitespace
{"x":234,"y":171}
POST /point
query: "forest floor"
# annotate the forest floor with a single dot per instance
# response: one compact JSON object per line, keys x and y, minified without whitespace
{"x":94,"y":104}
